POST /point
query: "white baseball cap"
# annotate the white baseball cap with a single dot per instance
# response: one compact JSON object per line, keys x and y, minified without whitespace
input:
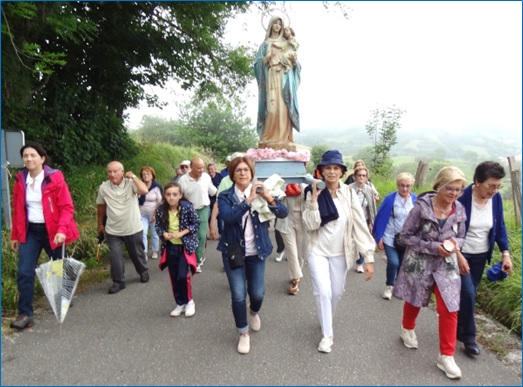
{"x":185,"y":162}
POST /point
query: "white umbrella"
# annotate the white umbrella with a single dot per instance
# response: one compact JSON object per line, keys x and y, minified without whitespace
{"x":59,"y":280}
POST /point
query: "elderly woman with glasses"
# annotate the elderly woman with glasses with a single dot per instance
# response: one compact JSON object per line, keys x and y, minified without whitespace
{"x":242,"y":225}
{"x":388,"y":223}
{"x":433,"y":233}
{"x":366,"y":194}
{"x":485,"y":227}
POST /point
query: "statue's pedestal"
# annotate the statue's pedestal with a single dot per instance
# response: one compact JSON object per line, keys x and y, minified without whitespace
{"x":289,"y":170}
{"x":290,"y":146}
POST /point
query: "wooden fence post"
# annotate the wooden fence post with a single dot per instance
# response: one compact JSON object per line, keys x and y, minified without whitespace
{"x":421,"y":174}
{"x":515,"y":180}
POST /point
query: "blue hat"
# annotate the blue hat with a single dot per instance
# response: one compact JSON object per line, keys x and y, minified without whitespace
{"x":495,"y":273}
{"x":332,"y":157}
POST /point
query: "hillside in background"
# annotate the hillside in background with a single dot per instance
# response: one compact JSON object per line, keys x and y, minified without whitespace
{"x":423,"y":145}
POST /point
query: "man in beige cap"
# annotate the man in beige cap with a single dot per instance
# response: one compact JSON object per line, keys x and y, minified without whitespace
{"x":184,"y":167}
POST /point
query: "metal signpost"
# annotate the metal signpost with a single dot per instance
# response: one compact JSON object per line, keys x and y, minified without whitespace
{"x":11,"y":144}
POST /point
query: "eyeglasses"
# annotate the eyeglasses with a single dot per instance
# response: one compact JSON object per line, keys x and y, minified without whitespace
{"x":360,"y":175}
{"x":407,"y":186}
{"x":494,"y":186}
{"x":240,"y":170}
{"x":184,"y":166}
{"x":457,"y":190}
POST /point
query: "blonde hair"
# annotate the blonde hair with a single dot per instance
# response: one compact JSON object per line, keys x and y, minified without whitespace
{"x":358,"y":162}
{"x":447,"y":175}
{"x":405,"y":176}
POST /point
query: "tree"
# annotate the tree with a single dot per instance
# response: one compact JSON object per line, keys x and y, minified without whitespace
{"x":217,"y":126}
{"x":70,"y":69}
{"x":157,"y":130}
{"x":382,"y":129}
{"x":316,"y":152}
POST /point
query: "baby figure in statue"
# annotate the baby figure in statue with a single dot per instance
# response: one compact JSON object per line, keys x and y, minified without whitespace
{"x":289,"y":49}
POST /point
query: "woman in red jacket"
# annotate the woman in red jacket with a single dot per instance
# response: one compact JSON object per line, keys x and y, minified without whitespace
{"x":43,"y":218}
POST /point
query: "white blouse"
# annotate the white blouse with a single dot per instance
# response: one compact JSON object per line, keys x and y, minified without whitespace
{"x":33,"y":198}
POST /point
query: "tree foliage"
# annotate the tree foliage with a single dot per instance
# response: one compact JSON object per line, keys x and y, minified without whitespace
{"x":215,"y":126}
{"x":382,"y":128}
{"x":70,"y":69}
{"x":155,"y":129}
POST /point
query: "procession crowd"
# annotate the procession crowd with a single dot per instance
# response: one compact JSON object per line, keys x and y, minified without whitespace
{"x":437,"y":242}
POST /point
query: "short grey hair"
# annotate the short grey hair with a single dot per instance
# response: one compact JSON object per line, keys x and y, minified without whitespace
{"x":116,"y":162}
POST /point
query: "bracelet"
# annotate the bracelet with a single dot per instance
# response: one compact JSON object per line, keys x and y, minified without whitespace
{"x":505,"y":255}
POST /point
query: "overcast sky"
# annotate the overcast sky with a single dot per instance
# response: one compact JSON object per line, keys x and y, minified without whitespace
{"x":451,"y":65}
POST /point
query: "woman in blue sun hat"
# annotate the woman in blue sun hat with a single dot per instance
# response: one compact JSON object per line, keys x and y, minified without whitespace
{"x":337,"y":232}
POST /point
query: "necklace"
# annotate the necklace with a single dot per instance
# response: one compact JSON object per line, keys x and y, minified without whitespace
{"x":444,"y":213}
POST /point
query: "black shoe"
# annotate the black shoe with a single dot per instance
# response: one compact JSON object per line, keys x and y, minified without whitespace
{"x":144,"y":277}
{"x":116,"y":288}
{"x":472,"y":349}
{"x":22,"y":322}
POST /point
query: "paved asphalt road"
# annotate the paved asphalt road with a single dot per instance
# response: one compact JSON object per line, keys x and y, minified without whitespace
{"x":130,"y":339}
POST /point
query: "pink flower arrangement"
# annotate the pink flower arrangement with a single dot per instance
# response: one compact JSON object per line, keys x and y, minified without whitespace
{"x":271,"y":154}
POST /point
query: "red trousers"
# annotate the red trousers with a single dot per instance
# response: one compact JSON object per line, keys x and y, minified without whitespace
{"x":448,"y":323}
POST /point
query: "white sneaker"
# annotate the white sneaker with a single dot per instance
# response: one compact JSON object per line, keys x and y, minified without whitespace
{"x":279,"y":257}
{"x":387,"y":294}
{"x":190,"y":309}
{"x":155,"y":255}
{"x":244,"y":345}
{"x":254,"y":321}
{"x":449,"y":366}
{"x":198,"y":269}
{"x":409,"y":338}
{"x":326,"y":344}
{"x":359,"y":269}
{"x":178,"y":310}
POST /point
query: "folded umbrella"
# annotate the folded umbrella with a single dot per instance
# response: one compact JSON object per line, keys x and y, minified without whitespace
{"x":59,"y":279}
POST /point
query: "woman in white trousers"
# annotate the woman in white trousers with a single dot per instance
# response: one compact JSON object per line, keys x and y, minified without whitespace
{"x":337,"y":231}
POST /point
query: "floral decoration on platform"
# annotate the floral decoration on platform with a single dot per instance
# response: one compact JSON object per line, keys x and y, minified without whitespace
{"x":271,"y":154}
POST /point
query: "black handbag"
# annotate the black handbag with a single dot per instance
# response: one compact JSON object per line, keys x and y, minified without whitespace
{"x":234,"y":252}
{"x":235,"y":256}
{"x":398,"y":243}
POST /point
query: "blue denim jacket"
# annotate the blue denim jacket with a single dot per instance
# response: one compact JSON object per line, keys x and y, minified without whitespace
{"x":231,"y":212}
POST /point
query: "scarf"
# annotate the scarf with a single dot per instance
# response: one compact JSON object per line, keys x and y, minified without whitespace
{"x":328,"y":211}
{"x":154,"y":184}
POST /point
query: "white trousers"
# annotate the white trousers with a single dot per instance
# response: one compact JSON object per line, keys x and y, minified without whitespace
{"x":328,"y":284}
{"x":295,"y":246}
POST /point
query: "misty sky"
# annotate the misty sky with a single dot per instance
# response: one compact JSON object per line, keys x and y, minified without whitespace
{"x":452,"y":66}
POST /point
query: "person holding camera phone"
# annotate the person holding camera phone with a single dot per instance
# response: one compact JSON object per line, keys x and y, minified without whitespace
{"x":248,"y":237}
{"x":388,"y":223}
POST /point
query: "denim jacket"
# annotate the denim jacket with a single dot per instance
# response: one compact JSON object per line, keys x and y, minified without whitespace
{"x":231,"y":211}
